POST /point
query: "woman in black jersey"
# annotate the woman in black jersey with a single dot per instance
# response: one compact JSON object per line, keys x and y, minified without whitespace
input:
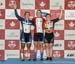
{"x":27,"y":27}
{"x":49,"y":35}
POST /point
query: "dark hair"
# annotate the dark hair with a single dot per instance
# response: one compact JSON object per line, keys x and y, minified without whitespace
{"x":26,"y":12}
{"x":47,"y":14}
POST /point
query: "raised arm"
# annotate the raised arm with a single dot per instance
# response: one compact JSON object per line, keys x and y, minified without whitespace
{"x":16,"y":14}
{"x":60,"y":16}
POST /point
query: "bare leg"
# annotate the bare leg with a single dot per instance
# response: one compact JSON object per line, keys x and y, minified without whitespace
{"x":22,"y":51}
{"x":41,"y":45}
{"x":28,"y":50}
{"x":35,"y":50}
{"x":47,"y":49}
{"x":51,"y":50}
{"x":44,"y":50}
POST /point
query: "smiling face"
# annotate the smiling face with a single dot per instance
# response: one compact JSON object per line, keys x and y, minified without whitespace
{"x":39,"y":13}
{"x":26,"y":15}
{"x":48,"y":17}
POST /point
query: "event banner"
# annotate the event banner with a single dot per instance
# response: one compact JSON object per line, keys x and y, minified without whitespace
{"x":10,"y":26}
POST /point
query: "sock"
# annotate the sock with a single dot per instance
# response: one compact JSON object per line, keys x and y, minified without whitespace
{"x":35,"y":55}
{"x":28,"y":55}
{"x":22,"y":56}
{"x":42,"y":55}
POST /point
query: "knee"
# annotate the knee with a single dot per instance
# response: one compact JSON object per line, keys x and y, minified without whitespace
{"x":22,"y":46}
{"x":28,"y":46}
{"x":35,"y":45}
{"x":51,"y":45}
{"x":44,"y":45}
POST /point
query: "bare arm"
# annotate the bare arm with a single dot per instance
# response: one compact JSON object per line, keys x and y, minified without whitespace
{"x":60,"y":16}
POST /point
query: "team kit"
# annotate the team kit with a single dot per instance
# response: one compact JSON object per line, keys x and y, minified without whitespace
{"x":41,"y":30}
